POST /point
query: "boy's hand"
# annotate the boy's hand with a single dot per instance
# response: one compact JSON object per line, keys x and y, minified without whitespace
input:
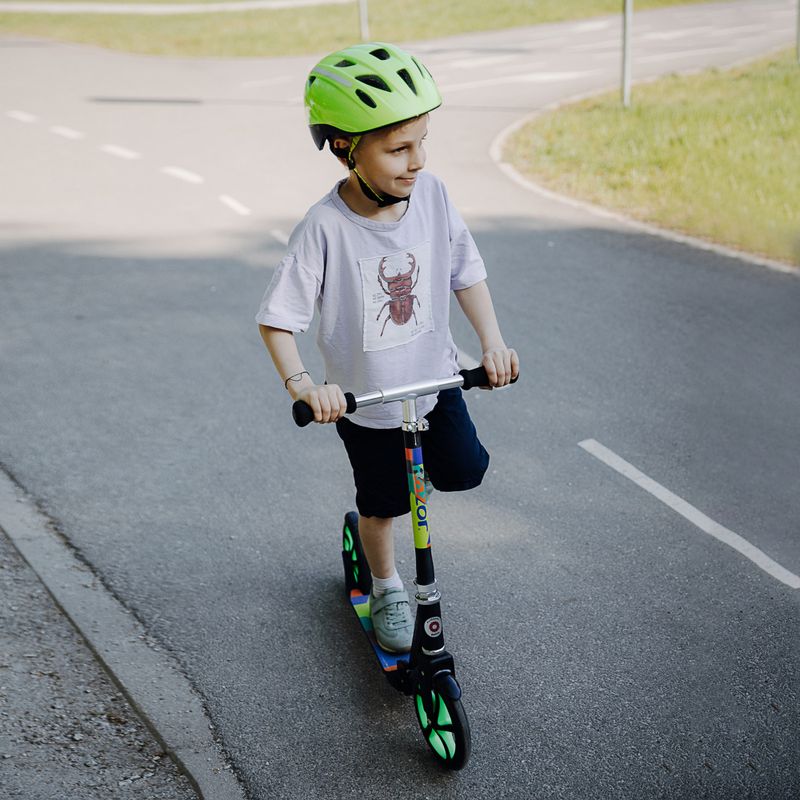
{"x":326,"y":401}
{"x":501,"y":365}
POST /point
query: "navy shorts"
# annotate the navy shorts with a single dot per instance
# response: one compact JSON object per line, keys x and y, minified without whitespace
{"x":453,"y":456}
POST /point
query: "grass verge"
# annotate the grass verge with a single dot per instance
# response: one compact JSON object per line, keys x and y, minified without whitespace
{"x":712,"y":155}
{"x":304,"y":30}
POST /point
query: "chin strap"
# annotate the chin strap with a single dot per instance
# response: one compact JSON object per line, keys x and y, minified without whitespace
{"x":382,"y":200}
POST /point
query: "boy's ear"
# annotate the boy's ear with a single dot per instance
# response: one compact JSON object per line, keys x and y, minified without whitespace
{"x":340,"y":147}
{"x":339,"y":143}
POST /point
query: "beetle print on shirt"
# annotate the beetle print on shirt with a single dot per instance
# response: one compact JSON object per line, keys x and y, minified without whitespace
{"x":397,"y":297}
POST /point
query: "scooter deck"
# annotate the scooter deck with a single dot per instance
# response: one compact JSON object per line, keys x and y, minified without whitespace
{"x":388,"y":661}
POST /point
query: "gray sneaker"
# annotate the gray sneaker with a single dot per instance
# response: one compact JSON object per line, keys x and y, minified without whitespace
{"x":392,"y":620}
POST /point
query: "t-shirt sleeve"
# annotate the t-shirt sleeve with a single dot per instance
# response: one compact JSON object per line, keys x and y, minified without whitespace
{"x":289,"y":300}
{"x":466,"y":264}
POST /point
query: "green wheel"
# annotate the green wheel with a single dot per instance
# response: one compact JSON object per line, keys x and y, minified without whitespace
{"x":445,"y":728}
{"x":356,"y":569}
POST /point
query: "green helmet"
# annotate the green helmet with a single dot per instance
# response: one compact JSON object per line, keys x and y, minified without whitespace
{"x":366,"y":87}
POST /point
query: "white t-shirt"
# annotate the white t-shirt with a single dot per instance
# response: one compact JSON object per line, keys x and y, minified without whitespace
{"x":382,"y":290}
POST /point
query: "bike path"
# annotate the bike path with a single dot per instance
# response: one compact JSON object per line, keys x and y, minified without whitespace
{"x":606,"y":649}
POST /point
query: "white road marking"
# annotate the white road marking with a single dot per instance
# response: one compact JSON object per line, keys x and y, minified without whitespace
{"x":266,"y":82}
{"x":282,"y":237}
{"x":67,"y":133}
{"x":471,"y":63}
{"x":120,"y":152}
{"x":689,"y":512}
{"x":183,"y":174}
{"x":530,"y":77}
{"x":736,"y":29}
{"x":241,"y":209}
{"x":586,"y":27}
{"x":684,"y":54}
{"x":605,"y":44}
{"x":21,"y":116}
{"x":666,"y":36}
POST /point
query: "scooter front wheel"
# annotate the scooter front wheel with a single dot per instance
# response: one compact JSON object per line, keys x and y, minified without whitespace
{"x":444,"y":726}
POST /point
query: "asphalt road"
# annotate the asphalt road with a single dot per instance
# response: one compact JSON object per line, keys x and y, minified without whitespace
{"x":607,"y":646}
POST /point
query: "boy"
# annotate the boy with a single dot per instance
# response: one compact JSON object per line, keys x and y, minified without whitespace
{"x":378,"y":257}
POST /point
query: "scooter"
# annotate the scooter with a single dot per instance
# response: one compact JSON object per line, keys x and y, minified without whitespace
{"x":427,"y":672}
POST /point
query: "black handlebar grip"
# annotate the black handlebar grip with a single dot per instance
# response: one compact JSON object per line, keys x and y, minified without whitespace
{"x":477,"y":377}
{"x":303,"y":414}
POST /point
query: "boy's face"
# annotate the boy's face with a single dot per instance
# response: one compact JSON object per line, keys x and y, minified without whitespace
{"x":390,"y":160}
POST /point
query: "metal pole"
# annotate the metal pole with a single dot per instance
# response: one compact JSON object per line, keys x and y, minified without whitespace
{"x":627,"y":25}
{"x":797,"y":48}
{"x":364,"y":19}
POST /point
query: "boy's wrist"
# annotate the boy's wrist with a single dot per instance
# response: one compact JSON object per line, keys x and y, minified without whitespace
{"x":488,"y":347}
{"x":298,"y":383}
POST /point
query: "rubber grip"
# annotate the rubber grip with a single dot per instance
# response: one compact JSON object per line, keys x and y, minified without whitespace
{"x":477,"y":377}
{"x":303,"y":414}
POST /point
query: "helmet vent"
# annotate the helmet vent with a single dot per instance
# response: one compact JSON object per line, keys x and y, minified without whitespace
{"x":403,"y":73}
{"x":375,"y":81}
{"x":366,"y":99}
{"x":311,"y":79}
{"x":380,"y":54}
{"x":422,"y":69}
{"x":345,"y":63}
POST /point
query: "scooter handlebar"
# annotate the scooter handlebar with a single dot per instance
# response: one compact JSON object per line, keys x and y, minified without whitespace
{"x":477,"y":377}
{"x":303,"y":414}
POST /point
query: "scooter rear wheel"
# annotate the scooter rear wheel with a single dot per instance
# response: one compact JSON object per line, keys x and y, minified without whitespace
{"x":356,"y":569}
{"x":445,"y":727}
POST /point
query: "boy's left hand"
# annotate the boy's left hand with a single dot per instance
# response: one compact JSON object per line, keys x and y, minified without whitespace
{"x":501,"y":365}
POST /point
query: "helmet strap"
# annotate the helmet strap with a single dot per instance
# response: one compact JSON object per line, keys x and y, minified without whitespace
{"x":382,"y":200}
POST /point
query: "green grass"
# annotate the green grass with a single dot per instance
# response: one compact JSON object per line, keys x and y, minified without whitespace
{"x":304,"y":30}
{"x":713,"y":155}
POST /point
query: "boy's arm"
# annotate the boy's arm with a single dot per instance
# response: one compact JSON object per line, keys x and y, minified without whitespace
{"x":326,"y":401}
{"x":501,"y":363}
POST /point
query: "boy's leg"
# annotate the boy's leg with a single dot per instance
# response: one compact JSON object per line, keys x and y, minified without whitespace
{"x":378,"y":541}
{"x":389,"y":605}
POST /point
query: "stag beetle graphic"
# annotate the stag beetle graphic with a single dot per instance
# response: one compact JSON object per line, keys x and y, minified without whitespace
{"x":399,"y":288}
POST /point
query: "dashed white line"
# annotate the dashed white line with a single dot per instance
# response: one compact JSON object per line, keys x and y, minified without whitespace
{"x":605,"y":44}
{"x":478,"y":61}
{"x":120,"y":152}
{"x":183,"y":174}
{"x":531,"y":77}
{"x":266,"y":82}
{"x":241,"y":209}
{"x":282,"y":237}
{"x":67,"y":133}
{"x":737,"y":29}
{"x":667,"y":36}
{"x":21,"y":116}
{"x":689,"y":512}
{"x":683,"y":54}
{"x":586,"y":27}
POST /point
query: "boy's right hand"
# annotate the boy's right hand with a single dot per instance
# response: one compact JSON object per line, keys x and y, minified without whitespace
{"x":326,"y":401}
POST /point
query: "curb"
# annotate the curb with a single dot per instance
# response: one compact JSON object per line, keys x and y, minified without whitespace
{"x":150,"y":679}
{"x":496,"y":154}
